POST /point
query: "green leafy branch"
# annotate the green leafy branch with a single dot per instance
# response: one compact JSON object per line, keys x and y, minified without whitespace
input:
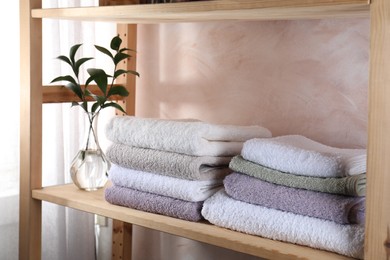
{"x":99,"y":76}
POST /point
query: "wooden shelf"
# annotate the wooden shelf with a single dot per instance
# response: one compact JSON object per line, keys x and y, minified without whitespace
{"x":213,"y":10}
{"x":93,"y":202}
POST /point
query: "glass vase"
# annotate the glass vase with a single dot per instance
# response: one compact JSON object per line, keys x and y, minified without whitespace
{"x":89,"y":168}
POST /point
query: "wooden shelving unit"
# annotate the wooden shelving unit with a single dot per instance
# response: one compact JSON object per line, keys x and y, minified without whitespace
{"x":377,"y":240}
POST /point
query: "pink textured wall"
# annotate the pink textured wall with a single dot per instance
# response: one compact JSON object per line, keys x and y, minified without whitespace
{"x":294,"y":77}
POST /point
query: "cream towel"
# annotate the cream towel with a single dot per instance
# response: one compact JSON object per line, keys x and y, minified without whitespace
{"x":167,"y":163}
{"x":163,"y":185}
{"x":301,"y":156}
{"x":188,"y":137}
{"x":224,"y":211}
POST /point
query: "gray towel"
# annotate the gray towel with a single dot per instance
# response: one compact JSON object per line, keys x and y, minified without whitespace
{"x":340,"y":209}
{"x":154,"y":203}
{"x":351,"y":185}
{"x":167,"y":163}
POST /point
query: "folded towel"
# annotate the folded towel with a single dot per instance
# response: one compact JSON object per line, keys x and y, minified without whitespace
{"x":340,"y":209}
{"x":351,"y":185}
{"x":301,"y":156}
{"x":163,"y":185}
{"x":177,"y":165}
{"x":188,"y":137}
{"x":226,"y":212}
{"x":154,"y":203}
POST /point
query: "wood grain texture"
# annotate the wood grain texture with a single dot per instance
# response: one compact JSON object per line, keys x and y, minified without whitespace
{"x":70,"y":196}
{"x":214,"y":10}
{"x":121,"y":240}
{"x":30,"y":131}
{"x":60,"y":94}
{"x":378,"y":172}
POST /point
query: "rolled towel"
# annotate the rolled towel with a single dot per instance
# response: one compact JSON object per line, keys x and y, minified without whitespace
{"x":163,"y":185}
{"x":187,"y":137}
{"x":177,"y":165}
{"x":299,"y":155}
{"x":154,"y":203}
{"x":224,"y":211}
{"x":351,"y":185}
{"x":340,"y":209}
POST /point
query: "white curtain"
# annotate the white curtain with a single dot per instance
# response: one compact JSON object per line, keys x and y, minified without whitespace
{"x":66,"y":233}
{"x":9,"y":137}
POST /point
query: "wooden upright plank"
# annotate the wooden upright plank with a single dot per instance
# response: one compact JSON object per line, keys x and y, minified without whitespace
{"x":377,"y":243}
{"x":30,"y":130}
{"x":214,"y":10}
{"x":122,"y":232}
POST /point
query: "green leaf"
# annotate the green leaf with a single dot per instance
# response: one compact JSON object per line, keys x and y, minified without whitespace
{"x":84,"y":106}
{"x":120,"y":72}
{"x":116,"y":105}
{"x":74,"y":104}
{"x":65,"y":78}
{"x":76,"y":89}
{"x":65,"y":59}
{"x":118,"y":90}
{"x":95,"y":106}
{"x":78,"y":63}
{"x":116,"y":43}
{"x":73,"y":51}
{"x":105,"y":51}
{"x":126,"y":49}
{"x":89,"y":80}
{"x":100,"y":77}
{"x":120,"y":56}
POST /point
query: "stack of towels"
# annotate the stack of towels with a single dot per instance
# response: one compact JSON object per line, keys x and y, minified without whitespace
{"x":171,"y":167}
{"x":293,"y":189}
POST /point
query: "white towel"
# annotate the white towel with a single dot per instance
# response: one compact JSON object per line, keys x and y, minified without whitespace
{"x":301,"y":156}
{"x":224,"y":211}
{"x":187,"y":137}
{"x":187,"y":190}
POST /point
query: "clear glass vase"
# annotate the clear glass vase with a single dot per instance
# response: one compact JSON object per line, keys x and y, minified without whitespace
{"x":89,"y":169}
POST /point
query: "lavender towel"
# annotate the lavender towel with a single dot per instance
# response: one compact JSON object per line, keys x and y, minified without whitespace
{"x":222,"y":210}
{"x":340,"y":209}
{"x":351,"y":185}
{"x":168,"y":163}
{"x":180,"y":136}
{"x":154,"y":203}
{"x":163,"y":185}
{"x":299,"y":155}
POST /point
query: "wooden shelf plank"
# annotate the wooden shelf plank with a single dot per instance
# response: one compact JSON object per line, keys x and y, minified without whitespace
{"x":60,"y":94}
{"x":212,"y":11}
{"x":93,"y":202}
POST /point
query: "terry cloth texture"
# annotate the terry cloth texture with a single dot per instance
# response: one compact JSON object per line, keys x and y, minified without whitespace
{"x":224,"y":211}
{"x":299,"y":155}
{"x":351,"y":185}
{"x":154,"y":203}
{"x":188,"y":137}
{"x":163,"y":185}
{"x":168,"y":163}
{"x":340,"y":209}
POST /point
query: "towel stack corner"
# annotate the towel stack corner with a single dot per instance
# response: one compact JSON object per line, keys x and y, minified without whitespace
{"x":298,"y":191}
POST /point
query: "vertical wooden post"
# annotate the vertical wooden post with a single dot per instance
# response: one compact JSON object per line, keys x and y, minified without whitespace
{"x":30,"y":130}
{"x":122,"y":232}
{"x":377,"y":243}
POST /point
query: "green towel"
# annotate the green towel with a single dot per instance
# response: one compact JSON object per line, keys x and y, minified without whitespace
{"x":351,"y":185}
